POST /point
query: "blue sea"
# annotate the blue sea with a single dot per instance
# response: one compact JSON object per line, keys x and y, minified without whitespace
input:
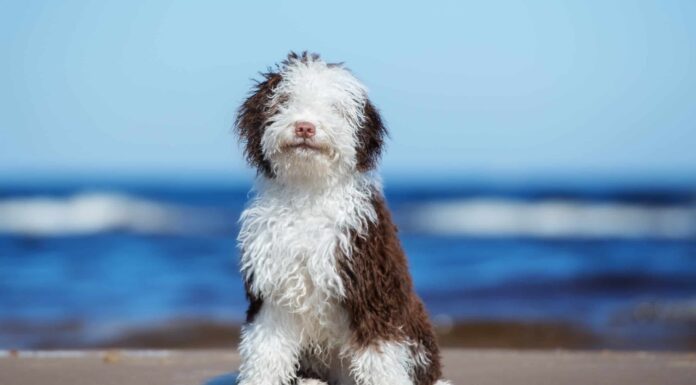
{"x":616,"y":260}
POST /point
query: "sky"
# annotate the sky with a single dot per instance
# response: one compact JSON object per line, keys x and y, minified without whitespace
{"x":466,"y":88}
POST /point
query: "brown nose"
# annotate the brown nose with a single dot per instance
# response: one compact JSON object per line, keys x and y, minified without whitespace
{"x":304,"y":129}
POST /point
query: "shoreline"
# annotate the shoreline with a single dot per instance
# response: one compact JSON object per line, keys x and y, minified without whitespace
{"x":210,"y":334}
{"x":461,"y":366}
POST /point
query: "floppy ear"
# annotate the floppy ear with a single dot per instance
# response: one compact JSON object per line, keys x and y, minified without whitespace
{"x":252,"y":118}
{"x":370,"y":138}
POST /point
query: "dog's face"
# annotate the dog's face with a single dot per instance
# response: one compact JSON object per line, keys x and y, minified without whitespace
{"x":310,"y":120}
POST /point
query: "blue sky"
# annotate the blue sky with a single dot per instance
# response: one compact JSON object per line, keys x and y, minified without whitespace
{"x":467,"y":88}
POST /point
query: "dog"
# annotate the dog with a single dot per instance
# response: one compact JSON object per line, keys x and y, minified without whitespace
{"x":330,"y":295}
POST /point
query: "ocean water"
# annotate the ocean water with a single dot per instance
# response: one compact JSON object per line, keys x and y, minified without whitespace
{"x":619,"y":262}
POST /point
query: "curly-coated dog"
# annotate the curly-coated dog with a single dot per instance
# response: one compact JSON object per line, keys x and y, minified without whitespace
{"x":330,"y":296}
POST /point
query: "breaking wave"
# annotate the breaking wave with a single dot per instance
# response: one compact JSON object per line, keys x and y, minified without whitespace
{"x":100,"y":212}
{"x":553,"y":219}
{"x":91,"y":213}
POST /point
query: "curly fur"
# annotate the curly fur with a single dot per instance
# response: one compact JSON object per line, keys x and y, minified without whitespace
{"x":330,"y":296}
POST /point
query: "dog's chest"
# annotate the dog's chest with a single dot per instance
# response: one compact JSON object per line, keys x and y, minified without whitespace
{"x":290,"y":253}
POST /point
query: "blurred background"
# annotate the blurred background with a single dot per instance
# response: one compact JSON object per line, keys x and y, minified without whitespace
{"x":541,"y":165}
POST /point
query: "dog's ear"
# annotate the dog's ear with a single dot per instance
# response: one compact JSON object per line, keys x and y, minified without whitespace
{"x":252,"y":118}
{"x":370,"y":138}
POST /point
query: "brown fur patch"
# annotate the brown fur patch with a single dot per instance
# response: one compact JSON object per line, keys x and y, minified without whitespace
{"x":370,"y":138}
{"x":380,"y":300}
{"x":252,"y":118}
{"x":254,"y":113}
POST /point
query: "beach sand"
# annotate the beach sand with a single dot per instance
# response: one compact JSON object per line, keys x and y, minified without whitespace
{"x":462,"y":366}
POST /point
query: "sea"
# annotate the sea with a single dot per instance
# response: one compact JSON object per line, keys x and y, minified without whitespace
{"x":614,"y":259}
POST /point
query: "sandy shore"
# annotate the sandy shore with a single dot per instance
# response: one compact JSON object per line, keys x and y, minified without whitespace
{"x":206,"y":334}
{"x":462,"y":366}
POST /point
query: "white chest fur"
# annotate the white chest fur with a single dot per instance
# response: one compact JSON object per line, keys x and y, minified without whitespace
{"x":291,"y":239}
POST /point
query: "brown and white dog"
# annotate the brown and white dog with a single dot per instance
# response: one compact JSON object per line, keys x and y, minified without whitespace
{"x":330,"y":296}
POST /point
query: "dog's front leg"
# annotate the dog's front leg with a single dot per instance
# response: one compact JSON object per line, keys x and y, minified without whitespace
{"x":269,"y":348}
{"x":384,"y":363}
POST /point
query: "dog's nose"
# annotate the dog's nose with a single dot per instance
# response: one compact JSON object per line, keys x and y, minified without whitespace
{"x":304,"y":129}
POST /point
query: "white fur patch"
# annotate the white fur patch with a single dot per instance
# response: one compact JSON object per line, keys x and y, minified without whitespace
{"x":329,"y":97}
{"x":290,"y":237}
{"x":388,"y":363}
{"x":269,"y":348}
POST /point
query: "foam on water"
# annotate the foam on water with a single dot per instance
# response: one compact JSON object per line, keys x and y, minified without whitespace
{"x":553,"y":219}
{"x":102,"y":212}
{"x":91,"y":213}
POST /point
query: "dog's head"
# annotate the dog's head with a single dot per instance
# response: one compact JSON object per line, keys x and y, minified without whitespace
{"x":308,"y":119}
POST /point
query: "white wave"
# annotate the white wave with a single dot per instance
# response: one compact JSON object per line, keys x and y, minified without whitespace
{"x":92,"y":213}
{"x":553,"y":219}
{"x":671,"y":311}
